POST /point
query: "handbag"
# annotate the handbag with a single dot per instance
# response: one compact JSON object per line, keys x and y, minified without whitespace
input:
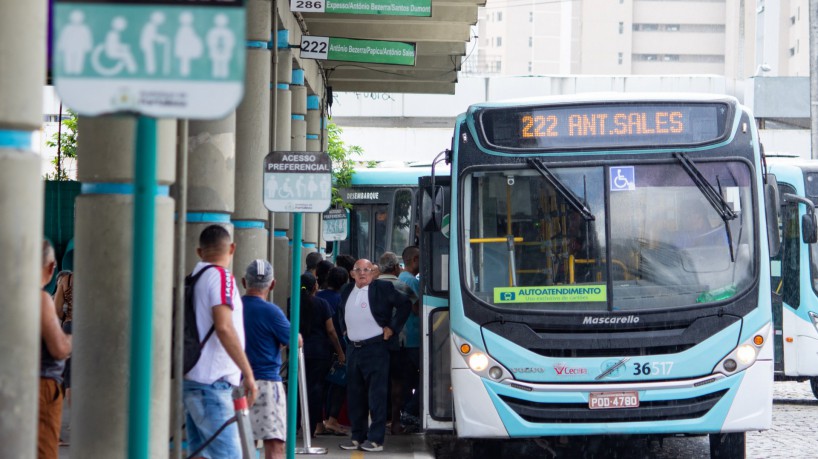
{"x":337,"y":374}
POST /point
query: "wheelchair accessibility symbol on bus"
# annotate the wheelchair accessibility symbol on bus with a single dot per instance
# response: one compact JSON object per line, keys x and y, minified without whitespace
{"x":623,"y":178}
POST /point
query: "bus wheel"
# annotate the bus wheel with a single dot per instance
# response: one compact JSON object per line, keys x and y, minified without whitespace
{"x":813,"y":384}
{"x":728,"y":446}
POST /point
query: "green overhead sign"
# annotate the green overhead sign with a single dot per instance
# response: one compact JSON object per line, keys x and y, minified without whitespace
{"x":353,"y":50}
{"x":422,"y":8}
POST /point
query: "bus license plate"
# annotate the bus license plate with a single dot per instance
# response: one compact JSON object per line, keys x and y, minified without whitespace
{"x":612,"y":400}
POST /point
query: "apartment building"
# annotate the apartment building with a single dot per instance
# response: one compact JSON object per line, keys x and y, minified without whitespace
{"x":732,"y":38}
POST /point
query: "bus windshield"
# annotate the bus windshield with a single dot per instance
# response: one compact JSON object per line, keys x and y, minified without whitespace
{"x":655,"y":239}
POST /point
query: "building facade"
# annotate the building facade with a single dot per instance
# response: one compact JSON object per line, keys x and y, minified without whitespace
{"x":731,"y":38}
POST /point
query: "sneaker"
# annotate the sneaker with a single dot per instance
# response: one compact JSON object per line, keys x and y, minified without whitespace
{"x":350,"y":445}
{"x":371,"y":446}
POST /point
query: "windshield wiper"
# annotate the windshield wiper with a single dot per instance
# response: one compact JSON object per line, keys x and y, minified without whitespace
{"x":566,"y":192}
{"x":713,"y":197}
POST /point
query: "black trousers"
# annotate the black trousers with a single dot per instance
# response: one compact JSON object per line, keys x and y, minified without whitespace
{"x":367,"y":384}
{"x":316,"y":371}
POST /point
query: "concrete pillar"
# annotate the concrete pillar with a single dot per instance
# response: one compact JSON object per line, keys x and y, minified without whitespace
{"x":298,"y":138}
{"x":22,"y":75}
{"x":283,"y":115}
{"x":102,"y":315}
{"x":211,"y":179}
{"x":252,"y":141}
{"x":312,"y":221}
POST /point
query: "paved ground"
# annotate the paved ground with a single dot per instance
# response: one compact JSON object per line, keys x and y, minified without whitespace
{"x":794,"y":435}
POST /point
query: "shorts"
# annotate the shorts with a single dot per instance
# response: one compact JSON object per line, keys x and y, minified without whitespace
{"x":268,"y":415}
{"x":208,"y":407}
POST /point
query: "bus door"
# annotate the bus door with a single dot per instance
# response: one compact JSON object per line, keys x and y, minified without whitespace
{"x":436,"y":407}
{"x":786,"y":287}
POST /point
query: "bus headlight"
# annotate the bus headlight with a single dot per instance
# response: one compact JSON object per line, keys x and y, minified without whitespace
{"x":481,"y":362}
{"x":478,"y":361}
{"x":743,"y":355}
{"x":746,"y":354}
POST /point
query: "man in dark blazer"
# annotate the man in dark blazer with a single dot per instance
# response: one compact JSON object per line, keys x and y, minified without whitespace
{"x":371,"y":312}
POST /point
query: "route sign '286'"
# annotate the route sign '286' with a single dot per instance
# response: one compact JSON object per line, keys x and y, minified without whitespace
{"x":163,"y":58}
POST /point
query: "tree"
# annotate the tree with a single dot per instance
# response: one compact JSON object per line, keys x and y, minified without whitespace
{"x":65,"y":140}
{"x":343,"y":163}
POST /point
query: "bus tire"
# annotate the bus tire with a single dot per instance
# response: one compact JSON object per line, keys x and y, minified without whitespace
{"x":728,"y":445}
{"x":813,"y":384}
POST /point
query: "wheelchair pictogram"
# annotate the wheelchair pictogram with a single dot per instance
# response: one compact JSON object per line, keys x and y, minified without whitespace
{"x":622,"y":178}
{"x":118,"y":54}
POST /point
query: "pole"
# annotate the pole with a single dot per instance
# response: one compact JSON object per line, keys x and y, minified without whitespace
{"x":295,"y":316}
{"x":305,"y":412}
{"x":813,"y":76}
{"x":142,"y":288}
{"x":179,"y":299}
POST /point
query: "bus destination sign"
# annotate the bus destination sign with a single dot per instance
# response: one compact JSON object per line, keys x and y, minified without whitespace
{"x":604,"y":125}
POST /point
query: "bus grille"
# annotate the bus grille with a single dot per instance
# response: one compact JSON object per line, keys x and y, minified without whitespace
{"x":661,"y":410}
{"x":614,"y":351}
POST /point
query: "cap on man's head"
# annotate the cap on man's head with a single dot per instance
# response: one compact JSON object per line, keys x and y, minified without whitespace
{"x":259,"y":272}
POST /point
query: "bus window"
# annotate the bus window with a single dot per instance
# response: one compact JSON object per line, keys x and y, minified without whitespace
{"x":552,"y":243}
{"x":361,"y":225}
{"x":401,"y":221}
{"x":380,"y":231}
{"x":673,"y":244}
{"x":787,"y":283}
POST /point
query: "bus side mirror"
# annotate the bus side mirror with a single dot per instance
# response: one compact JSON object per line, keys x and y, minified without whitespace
{"x":772,"y":205}
{"x":431,"y":209}
{"x":809,"y":228}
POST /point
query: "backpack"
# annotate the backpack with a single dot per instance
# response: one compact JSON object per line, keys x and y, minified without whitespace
{"x":191,"y":344}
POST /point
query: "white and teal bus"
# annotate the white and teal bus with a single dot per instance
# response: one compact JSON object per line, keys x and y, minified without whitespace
{"x":598,"y":265}
{"x":794,"y":272}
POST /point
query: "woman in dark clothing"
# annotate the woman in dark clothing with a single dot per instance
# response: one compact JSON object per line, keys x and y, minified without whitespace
{"x":336,"y":278}
{"x":321,"y":273}
{"x":318,"y":334}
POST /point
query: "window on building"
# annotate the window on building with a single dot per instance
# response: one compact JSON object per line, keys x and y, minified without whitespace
{"x":670,"y":58}
{"x":499,"y":66}
{"x":621,"y":27}
{"x":672,"y":27}
{"x":499,"y":16}
{"x":792,"y":51}
{"x":619,"y":58}
{"x":498,"y":41}
{"x":530,"y":42}
{"x":792,"y":20}
{"x":530,"y":67}
{"x":531,"y":16}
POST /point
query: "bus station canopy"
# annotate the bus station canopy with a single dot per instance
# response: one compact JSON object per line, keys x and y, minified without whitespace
{"x":440,"y":46}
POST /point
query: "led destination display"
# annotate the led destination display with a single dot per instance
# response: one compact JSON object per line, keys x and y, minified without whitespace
{"x":604,"y":125}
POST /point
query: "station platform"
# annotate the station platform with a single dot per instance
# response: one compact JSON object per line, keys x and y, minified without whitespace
{"x":412,"y":446}
{"x":396,"y":446}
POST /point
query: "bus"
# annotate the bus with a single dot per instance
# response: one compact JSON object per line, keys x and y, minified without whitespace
{"x":383,"y":211}
{"x":592,"y":265}
{"x":794,"y":272}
